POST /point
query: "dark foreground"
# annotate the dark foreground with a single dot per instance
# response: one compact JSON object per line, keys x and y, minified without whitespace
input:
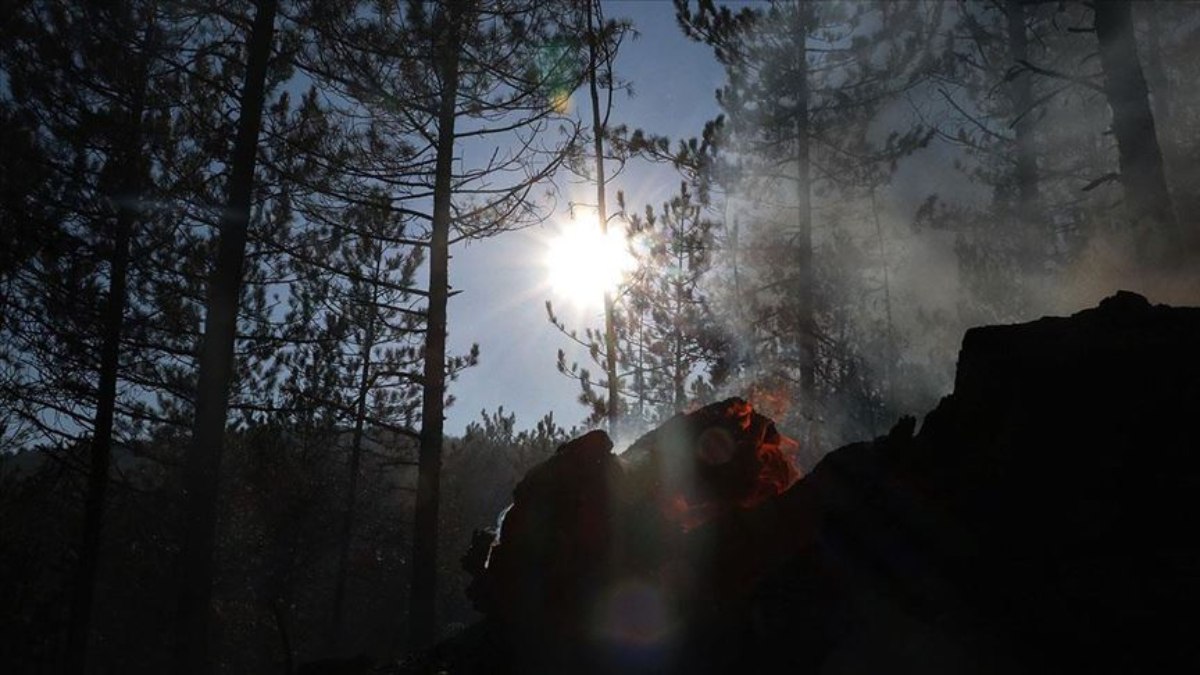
{"x":1043,"y":520}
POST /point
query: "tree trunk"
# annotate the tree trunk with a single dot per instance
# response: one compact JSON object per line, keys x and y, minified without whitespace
{"x":1140,"y":157}
{"x":610,"y":331}
{"x":203,"y":460}
{"x":1156,"y":72}
{"x":639,"y":376}
{"x":891,"y":358}
{"x":806,"y":327}
{"x":360,"y":418}
{"x":422,"y":616}
{"x":84,"y":586}
{"x":1026,"y":174}
{"x":679,"y":371}
{"x":1162,"y":99}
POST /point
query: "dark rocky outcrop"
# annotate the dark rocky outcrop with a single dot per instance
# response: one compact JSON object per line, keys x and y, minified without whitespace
{"x":1041,"y":521}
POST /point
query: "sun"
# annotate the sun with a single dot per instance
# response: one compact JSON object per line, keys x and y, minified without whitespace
{"x":583,"y":264}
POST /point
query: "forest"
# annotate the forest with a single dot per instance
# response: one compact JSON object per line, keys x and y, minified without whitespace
{"x":229,"y":350}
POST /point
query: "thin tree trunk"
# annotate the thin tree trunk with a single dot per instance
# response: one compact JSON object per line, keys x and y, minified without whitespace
{"x":679,"y":379}
{"x":1139,"y":155}
{"x":1026,"y":173}
{"x":1161,"y":95}
{"x":744,"y":353}
{"x":352,"y":484}
{"x":805,"y":278}
{"x":422,"y":616}
{"x":202,"y":465}
{"x":1156,"y":72}
{"x":360,"y":417}
{"x":84,"y":587}
{"x":639,"y":381}
{"x":889,"y":361}
{"x":610,"y":331}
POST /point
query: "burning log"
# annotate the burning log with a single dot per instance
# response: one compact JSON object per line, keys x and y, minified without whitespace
{"x":593,"y":540}
{"x":721,"y":457}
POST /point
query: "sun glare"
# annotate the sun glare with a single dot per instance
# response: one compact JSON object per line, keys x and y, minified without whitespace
{"x":583,"y":264}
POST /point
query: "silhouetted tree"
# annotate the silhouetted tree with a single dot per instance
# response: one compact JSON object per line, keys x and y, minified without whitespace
{"x":376,"y":330}
{"x":671,"y":353}
{"x":601,"y":50}
{"x":216,"y":364}
{"x":992,"y":106}
{"x":805,"y":82}
{"x":1140,"y":158}
{"x":85,"y":93}
{"x":480,"y":79}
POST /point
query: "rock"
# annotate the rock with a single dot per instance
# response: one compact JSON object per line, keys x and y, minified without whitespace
{"x":1040,"y":521}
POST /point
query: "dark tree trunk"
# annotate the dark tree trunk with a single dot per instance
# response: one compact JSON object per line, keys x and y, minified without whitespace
{"x":610,"y":331}
{"x":1156,"y":73}
{"x":679,"y":371}
{"x":202,"y":465}
{"x":890,"y":359}
{"x":806,"y":327}
{"x":1026,"y":173}
{"x":1139,"y":154}
{"x":1174,"y":164}
{"x":422,"y":617}
{"x":360,"y":419}
{"x":83,"y":592}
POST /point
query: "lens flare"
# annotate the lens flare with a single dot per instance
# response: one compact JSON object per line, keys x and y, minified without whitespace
{"x":633,"y":613}
{"x":561,"y":102}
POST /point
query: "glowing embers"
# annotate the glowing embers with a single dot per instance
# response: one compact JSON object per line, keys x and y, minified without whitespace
{"x":583,"y":263}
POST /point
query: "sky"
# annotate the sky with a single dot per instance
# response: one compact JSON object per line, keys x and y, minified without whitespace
{"x":504,"y":280}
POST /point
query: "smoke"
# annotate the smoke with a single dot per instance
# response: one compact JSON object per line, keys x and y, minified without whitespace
{"x":907,"y":260}
{"x":1106,"y":265}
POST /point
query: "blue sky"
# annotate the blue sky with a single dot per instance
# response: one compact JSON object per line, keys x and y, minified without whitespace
{"x":503,"y":279}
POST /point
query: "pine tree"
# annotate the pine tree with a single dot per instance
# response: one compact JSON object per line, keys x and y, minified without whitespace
{"x":805,"y":82}
{"x":371,"y":322}
{"x":1025,"y":97}
{"x":601,"y":41}
{"x":671,"y":354}
{"x":603,"y":144}
{"x":679,"y":351}
{"x":216,"y":363}
{"x":1140,"y":157}
{"x":442,"y":80}
{"x":1000,"y":108}
{"x":84,"y":92}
